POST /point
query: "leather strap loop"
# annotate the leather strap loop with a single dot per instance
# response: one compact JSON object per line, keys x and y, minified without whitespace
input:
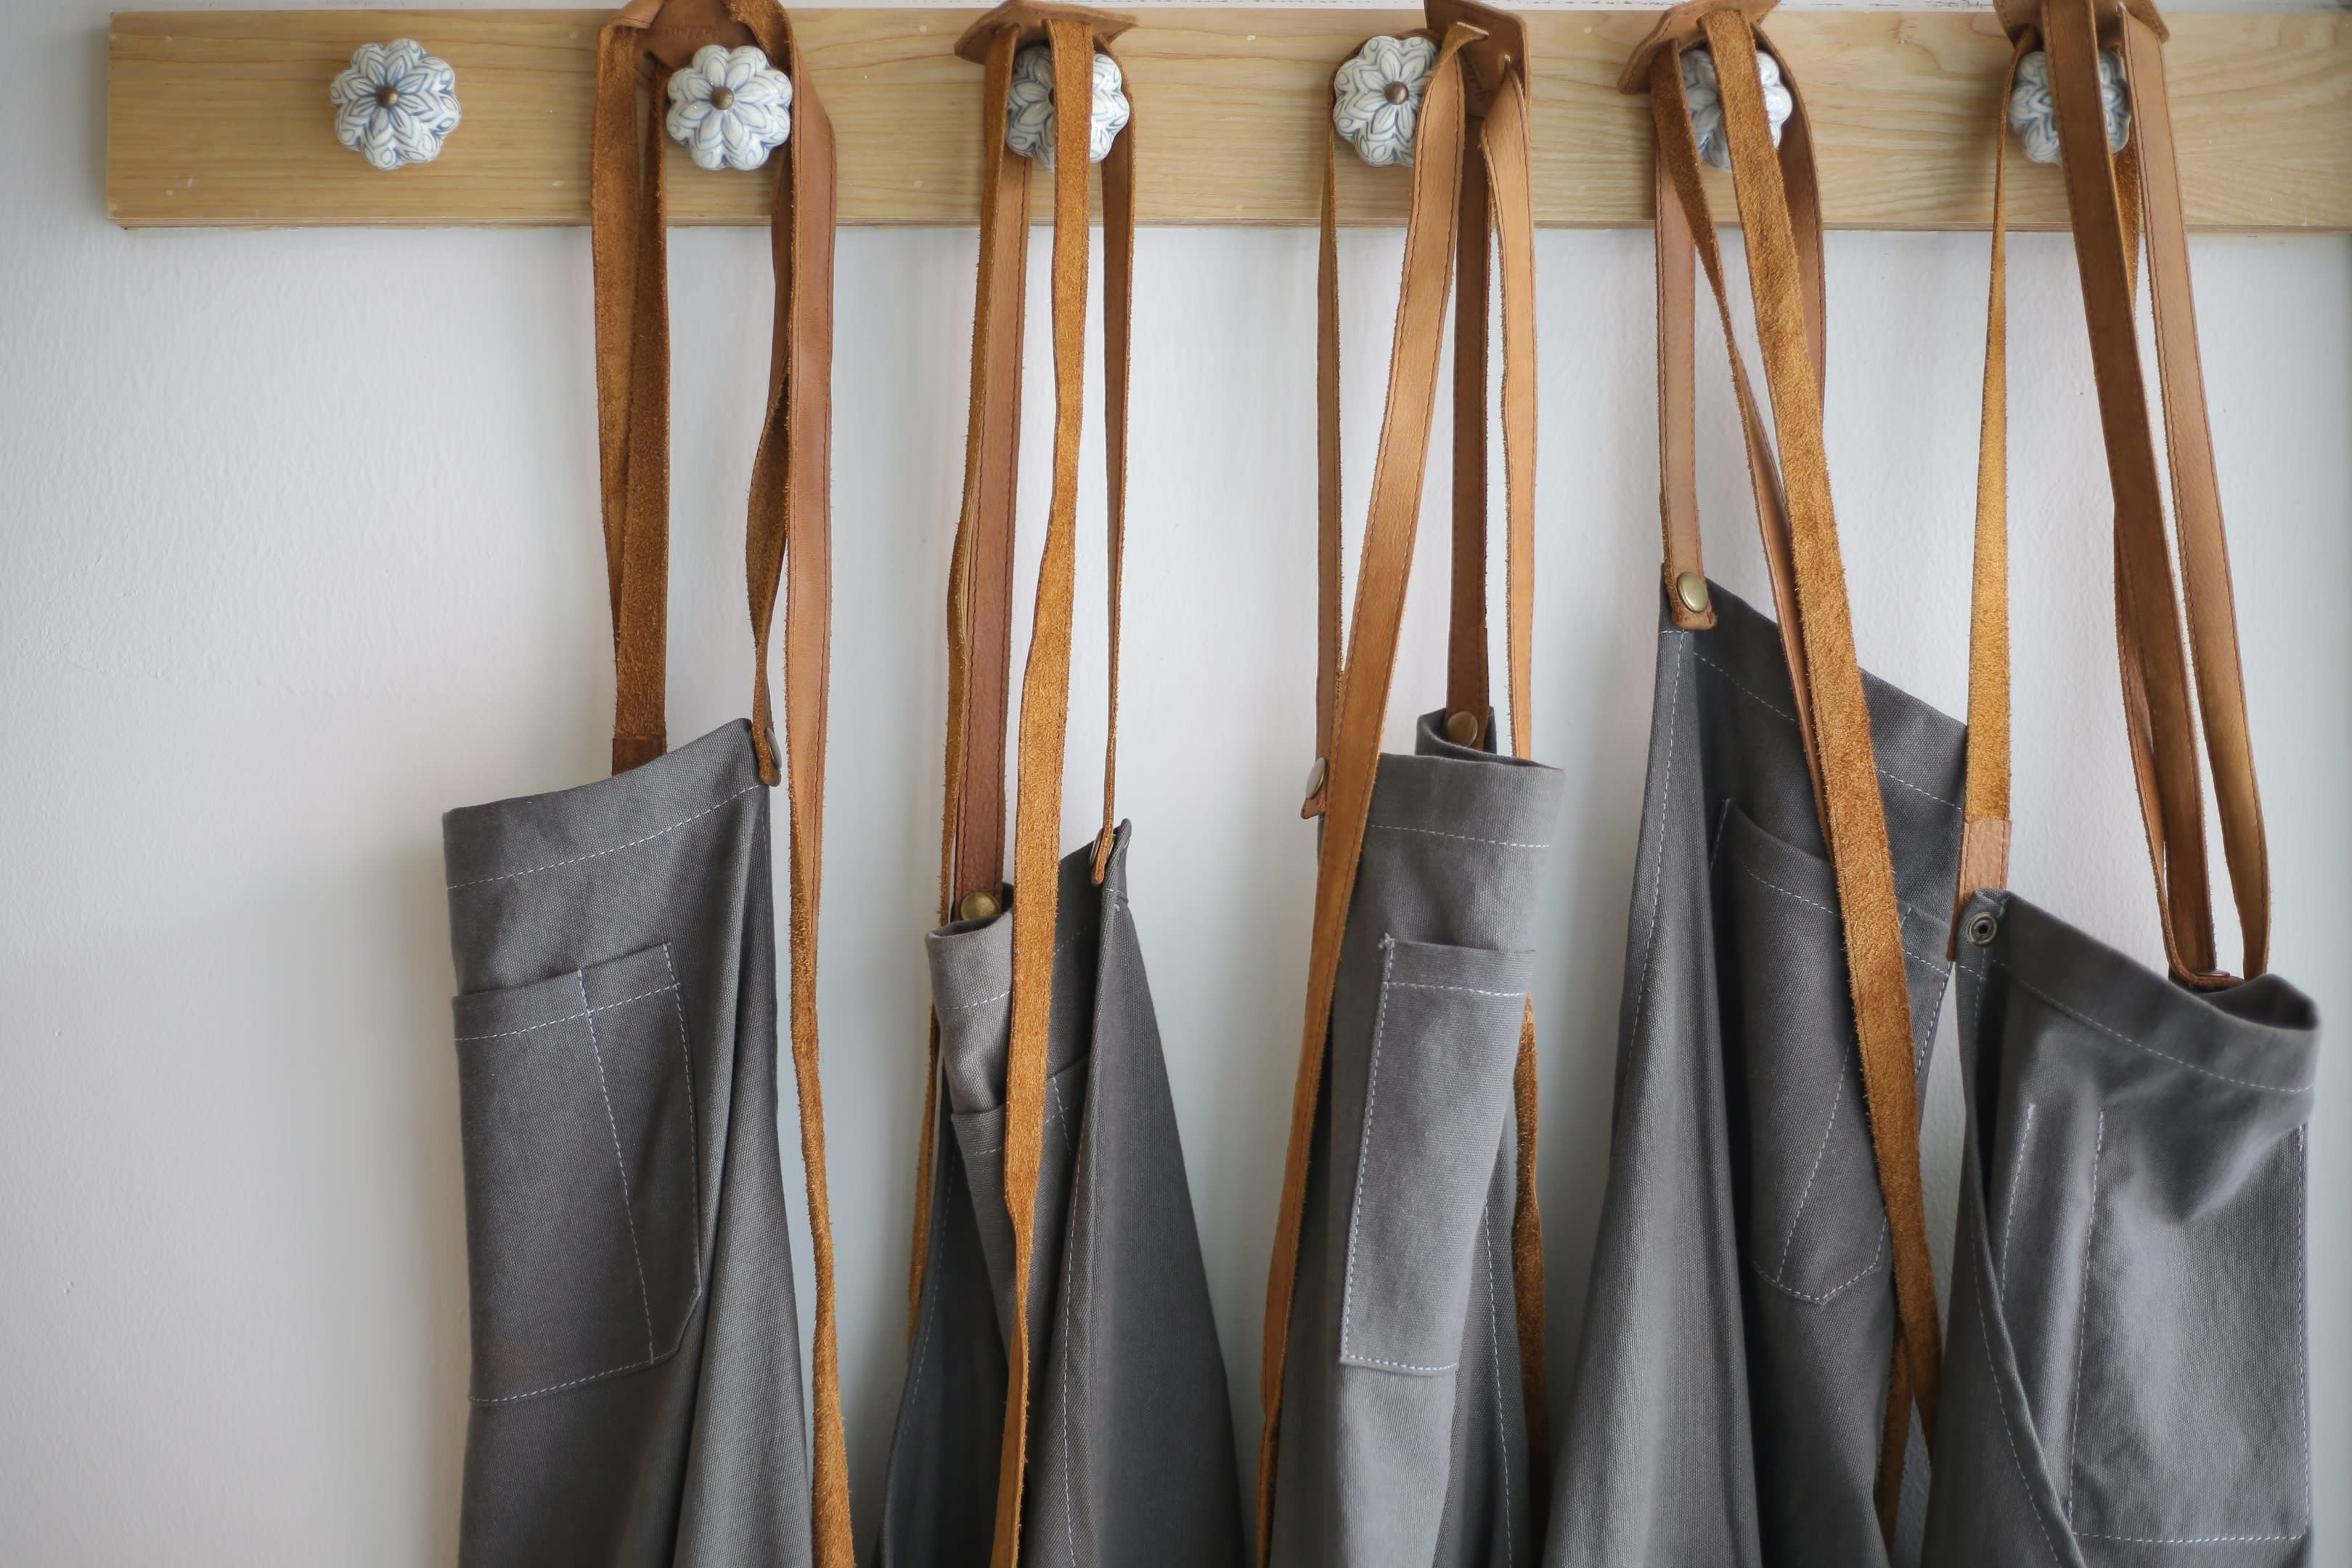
{"x":2114,"y":201}
{"x":787,"y":541}
{"x":979,"y":613}
{"x":1800,"y":529}
{"x":1478,"y":87}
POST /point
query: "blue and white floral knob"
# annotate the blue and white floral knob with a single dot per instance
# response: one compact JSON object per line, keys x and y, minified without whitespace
{"x":2035,"y":117}
{"x":1376,"y":97}
{"x":729,"y":108}
{"x":397,"y":104}
{"x":1705,"y":96}
{"x":1029,"y":115}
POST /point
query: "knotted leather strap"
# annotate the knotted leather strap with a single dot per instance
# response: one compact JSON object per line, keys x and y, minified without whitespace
{"x":980,"y":611}
{"x":788,"y":537}
{"x":2112,"y":199}
{"x":1478,"y":88}
{"x":1800,"y":524}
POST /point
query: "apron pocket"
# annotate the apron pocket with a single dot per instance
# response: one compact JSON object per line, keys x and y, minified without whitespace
{"x":1816,"y":1227}
{"x":2189,"y":1426}
{"x":1445,"y":1037}
{"x":582,"y":1188}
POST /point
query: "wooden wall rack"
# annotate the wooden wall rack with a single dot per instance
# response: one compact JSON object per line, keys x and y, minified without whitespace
{"x":221,"y":118}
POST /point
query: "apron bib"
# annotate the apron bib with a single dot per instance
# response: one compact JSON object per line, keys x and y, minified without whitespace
{"x":1404,"y":1361}
{"x":1064,"y":1401}
{"x":2128,"y":1382}
{"x":1761,"y":1316}
{"x":637,"y":1368}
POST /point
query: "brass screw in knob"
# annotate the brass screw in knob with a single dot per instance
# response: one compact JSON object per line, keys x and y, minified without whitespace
{"x":386,"y":95}
{"x":1691,"y":589}
{"x":977,"y":907}
{"x":722,"y":98}
{"x":1397,"y":92}
{"x":1461,"y":727}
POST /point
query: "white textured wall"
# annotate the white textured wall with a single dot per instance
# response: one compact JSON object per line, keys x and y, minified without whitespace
{"x":299,"y":548}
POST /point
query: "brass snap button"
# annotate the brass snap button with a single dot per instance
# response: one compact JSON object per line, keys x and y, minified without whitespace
{"x":1461,"y":727}
{"x":977,"y":907}
{"x":1316,"y":774}
{"x":1691,"y":589}
{"x":1983,"y":928}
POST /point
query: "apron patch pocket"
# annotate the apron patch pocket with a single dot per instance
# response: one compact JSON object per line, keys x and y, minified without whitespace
{"x":582,"y":1192}
{"x":1816,"y":1227}
{"x":1444,"y":1037}
{"x":2189,"y":1426}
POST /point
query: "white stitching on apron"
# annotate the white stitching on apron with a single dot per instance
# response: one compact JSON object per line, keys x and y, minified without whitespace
{"x":628,"y":1211}
{"x":615,"y":849}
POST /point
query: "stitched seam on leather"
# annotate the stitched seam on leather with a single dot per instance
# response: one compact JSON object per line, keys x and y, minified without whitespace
{"x":569,"y":1017}
{"x":2083,"y":1315}
{"x":1465,"y":837}
{"x":1834,"y":1291}
{"x":693,"y":1120}
{"x":1658,"y":875}
{"x":628,"y":1209}
{"x":615,"y":849}
{"x":1767,"y":703}
{"x":1363,"y":1162}
{"x":2001,"y":1403}
{"x":2016,"y":1181}
{"x":1494,"y":1366}
{"x":2032,"y":990}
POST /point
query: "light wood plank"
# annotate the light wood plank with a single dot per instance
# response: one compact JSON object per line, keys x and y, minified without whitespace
{"x":220,"y":119}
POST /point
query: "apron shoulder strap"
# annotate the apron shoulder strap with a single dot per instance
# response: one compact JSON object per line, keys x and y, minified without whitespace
{"x":2173,"y":687}
{"x":788,"y":532}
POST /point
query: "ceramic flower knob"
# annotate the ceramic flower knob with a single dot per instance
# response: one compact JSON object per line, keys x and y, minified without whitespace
{"x":1029,"y":116}
{"x":729,"y":108}
{"x":1376,"y":97}
{"x":1699,"y":86}
{"x":2035,"y":117}
{"x":397,"y":104}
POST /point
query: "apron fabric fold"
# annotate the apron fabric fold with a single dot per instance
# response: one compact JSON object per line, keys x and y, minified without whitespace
{"x":637,"y":1388}
{"x":1065,"y":1400}
{"x":2128,"y":1382}
{"x":1405,"y":1368}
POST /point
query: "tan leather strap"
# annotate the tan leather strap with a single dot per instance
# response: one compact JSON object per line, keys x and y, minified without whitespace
{"x":980,"y":612}
{"x":1478,"y":84}
{"x":787,"y":539}
{"x":1816,"y":628}
{"x":2115,"y":202}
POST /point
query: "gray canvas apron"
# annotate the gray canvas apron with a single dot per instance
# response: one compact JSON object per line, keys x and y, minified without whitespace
{"x":2126,"y":1381}
{"x":1732,"y":1398}
{"x":1064,"y":1401}
{"x":1406,"y":1405}
{"x":637,"y":1368}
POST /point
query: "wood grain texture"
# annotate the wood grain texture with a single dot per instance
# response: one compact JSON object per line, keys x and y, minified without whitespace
{"x":221,"y":118}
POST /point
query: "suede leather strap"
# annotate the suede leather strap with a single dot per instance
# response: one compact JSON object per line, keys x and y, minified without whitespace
{"x":787,"y":538}
{"x":980,"y":611}
{"x":1800,"y":530}
{"x":2114,"y":201}
{"x":1478,"y":92}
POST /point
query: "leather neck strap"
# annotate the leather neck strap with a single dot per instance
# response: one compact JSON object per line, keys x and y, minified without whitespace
{"x":1800,"y":529}
{"x":980,"y":610}
{"x":1477,"y":90}
{"x":788,"y":522}
{"x":2112,"y":199}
